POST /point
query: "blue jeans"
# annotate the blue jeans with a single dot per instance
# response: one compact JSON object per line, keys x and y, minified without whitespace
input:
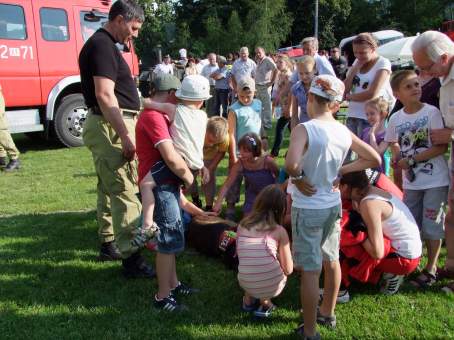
{"x":357,"y":126}
{"x":221,"y":100}
{"x":279,"y":136}
{"x":167,"y":215}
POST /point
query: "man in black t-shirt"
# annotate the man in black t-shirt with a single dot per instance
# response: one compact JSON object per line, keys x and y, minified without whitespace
{"x":339,"y":63}
{"x":109,"y":132}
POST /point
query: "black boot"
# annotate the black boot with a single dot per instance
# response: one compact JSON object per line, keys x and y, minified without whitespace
{"x":13,"y":165}
{"x":3,"y":162}
{"x":135,"y":266}
{"x":109,"y":252}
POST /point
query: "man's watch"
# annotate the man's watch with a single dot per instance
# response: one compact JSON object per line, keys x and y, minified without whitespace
{"x":452,"y":135}
{"x":411,"y":161}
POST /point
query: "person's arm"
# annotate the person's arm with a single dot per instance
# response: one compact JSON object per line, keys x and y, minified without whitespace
{"x":351,"y":73}
{"x":367,"y":157}
{"x":233,"y":174}
{"x":108,"y":103}
{"x":294,"y":121}
{"x":293,"y":165}
{"x":441,"y":136}
{"x":433,"y":151}
{"x":219,"y":156}
{"x":175,"y":162}
{"x":231,"y":119}
{"x":272,"y":166}
{"x":380,"y":148}
{"x":298,"y":140}
{"x":191,"y":208}
{"x":285,"y":254}
{"x":273,"y":75}
{"x":167,"y":108}
{"x":373,"y":91}
{"x":371,"y":213}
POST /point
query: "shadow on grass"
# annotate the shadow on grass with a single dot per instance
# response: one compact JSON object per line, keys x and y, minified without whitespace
{"x":51,"y":286}
{"x":35,"y":142}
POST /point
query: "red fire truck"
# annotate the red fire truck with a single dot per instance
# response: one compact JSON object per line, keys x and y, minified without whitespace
{"x":40,"y":42}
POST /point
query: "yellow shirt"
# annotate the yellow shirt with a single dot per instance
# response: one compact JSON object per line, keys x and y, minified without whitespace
{"x":209,"y":151}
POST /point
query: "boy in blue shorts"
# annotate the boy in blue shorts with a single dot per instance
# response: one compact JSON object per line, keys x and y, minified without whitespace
{"x":315,"y":156}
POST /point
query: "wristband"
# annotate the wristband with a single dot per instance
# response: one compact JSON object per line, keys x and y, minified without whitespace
{"x":300,"y":177}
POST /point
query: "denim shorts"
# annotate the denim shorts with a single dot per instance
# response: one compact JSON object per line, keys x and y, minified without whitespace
{"x":162,"y":174}
{"x":316,"y":236}
{"x":167,"y":215}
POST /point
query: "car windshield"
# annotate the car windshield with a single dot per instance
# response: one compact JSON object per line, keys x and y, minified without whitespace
{"x":90,"y":22}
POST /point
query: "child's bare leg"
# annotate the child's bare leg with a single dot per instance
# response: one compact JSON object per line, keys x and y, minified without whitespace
{"x":148,"y":229}
{"x":332,"y":279}
{"x":146,"y":191}
{"x":309,"y":299}
{"x":433,"y":251}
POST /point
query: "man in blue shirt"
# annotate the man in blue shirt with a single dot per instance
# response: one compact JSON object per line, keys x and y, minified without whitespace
{"x":221,"y":87}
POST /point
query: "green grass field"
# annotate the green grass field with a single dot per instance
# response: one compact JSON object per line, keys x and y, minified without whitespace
{"x":51,"y":286}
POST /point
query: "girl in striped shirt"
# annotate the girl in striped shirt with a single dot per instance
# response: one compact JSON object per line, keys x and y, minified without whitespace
{"x":264,"y":254}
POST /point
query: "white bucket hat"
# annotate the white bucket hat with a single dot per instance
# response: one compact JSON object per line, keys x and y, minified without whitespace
{"x":194,"y":87}
{"x":328,"y":86}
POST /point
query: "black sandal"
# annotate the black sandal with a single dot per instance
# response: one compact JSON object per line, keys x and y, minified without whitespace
{"x":424,"y":280}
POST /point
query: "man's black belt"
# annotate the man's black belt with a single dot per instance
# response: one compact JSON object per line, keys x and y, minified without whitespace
{"x":125,"y":112}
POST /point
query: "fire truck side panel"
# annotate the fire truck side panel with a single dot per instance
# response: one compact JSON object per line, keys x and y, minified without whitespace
{"x":19,"y":68}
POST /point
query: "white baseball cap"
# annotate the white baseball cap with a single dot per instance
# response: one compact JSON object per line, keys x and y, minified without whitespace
{"x":328,"y":86}
{"x":194,"y":87}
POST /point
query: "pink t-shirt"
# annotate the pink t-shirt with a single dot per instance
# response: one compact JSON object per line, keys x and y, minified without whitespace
{"x":152,"y":129}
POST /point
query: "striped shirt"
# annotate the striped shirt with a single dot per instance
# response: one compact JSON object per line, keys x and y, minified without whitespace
{"x":259,"y":271}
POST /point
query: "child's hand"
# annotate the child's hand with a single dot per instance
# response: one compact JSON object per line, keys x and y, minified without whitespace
{"x":403,"y":164}
{"x":304,"y":186}
{"x":217,"y":208}
{"x":205,"y":175}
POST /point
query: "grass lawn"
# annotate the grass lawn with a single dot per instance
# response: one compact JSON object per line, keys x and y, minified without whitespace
{"x":51,"y":286}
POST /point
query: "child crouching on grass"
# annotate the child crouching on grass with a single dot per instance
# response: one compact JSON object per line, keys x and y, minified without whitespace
{"x":188,"y":135}
{"x":315,"y":156}
{"x":263,"y":249}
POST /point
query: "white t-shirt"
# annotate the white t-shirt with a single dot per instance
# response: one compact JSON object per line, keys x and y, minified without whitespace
{"x":163,"y":68}
{"x":412,"y":132}
{"x":328,"y":144}
{"x":361,"y":83}
{"x":400,"y":228}
{"x":447,"y":98}
{"x":188,"y":135}
{"x":207,"y":70}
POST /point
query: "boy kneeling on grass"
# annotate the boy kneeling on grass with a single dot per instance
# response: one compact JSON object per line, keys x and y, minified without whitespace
{"x":315,"y":156}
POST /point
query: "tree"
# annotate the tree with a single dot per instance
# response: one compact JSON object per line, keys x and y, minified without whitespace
{"x":234,"y":33}
{"x":158,"y":14}
{"x":269,"y":24}
{"x":215,"y":35}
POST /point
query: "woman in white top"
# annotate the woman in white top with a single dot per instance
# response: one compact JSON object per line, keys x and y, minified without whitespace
{"x":384,"y":215}
{"x":368,"y":78}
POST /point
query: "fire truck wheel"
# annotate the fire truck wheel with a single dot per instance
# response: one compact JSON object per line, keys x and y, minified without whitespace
{"x":69,"y":120}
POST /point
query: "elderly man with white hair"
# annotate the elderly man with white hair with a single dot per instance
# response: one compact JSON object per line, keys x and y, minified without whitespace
{"x":433,"y":52}
{"x":322,"y":64}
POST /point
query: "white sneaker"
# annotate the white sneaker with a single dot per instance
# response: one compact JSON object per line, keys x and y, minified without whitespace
{"x":391,"y":283}
{"x":342,"y":297}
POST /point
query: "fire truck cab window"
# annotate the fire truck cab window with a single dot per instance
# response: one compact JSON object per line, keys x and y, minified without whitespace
{"x":90,"y":22}
{"x":54,"y":24}
{"x":12,"y":22}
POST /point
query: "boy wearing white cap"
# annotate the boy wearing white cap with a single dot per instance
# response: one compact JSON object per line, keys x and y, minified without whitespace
{"x":187,"y":129}
{"x":315,"y":156}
